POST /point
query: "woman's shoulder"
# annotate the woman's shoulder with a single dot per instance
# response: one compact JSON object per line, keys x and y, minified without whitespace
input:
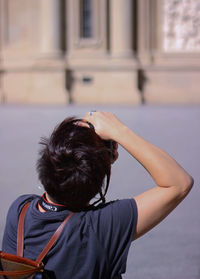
{"x":19,"y":202}
{"x":122,"y":209}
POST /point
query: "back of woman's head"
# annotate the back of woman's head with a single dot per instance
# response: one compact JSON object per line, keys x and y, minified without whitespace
{"x":73,"y":164}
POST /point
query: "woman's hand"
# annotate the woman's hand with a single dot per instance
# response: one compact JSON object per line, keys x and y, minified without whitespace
{"x":106,"y":124}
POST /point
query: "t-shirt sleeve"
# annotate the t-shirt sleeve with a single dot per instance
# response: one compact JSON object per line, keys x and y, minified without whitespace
{"x":115,"y":226}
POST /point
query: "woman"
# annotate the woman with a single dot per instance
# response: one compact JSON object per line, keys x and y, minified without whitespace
{"x":73,"y":166}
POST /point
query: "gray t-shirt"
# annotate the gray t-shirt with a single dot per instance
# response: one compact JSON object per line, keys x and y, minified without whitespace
{"x":94,"y":244}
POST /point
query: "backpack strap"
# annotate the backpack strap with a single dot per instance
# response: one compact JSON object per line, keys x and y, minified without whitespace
{"x":53,"y":239}
{"x":20,"y":230}
{"x":20,"y":235}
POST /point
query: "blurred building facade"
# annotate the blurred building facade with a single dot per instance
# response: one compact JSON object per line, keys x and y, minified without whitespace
{"x":100,"y":51}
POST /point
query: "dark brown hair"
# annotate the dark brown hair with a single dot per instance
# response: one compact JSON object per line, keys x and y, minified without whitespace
{"x":73,"y":164}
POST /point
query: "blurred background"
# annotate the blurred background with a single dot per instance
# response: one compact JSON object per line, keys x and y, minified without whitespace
{"x":100,"y":51}
{"x":139,"y":59}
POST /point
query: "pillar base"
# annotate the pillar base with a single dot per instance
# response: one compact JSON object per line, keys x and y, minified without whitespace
{"x":101,"y":87}
{"x":172,"y":87}
{"x":35,"y":87}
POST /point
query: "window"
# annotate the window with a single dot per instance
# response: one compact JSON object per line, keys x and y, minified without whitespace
{"x":86,"y":30}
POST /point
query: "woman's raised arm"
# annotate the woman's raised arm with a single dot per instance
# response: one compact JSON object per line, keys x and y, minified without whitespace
{"x":173,"y":183}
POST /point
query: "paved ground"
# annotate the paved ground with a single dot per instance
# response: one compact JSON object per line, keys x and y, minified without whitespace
{"x":169,"y":251}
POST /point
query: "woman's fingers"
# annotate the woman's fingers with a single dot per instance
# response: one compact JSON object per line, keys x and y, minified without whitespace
{"x":83,"y":123}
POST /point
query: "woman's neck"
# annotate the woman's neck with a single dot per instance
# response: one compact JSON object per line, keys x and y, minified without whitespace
{"x":48,"y":200}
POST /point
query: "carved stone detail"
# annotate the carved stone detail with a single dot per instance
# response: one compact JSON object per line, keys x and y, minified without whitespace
{"x":181,"y":25}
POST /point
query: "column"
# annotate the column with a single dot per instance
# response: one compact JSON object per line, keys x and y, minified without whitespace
{"x":121,"y":28}
{"x":50,"y":33}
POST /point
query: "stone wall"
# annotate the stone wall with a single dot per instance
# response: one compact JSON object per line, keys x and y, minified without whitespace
{"x":137,"y":51}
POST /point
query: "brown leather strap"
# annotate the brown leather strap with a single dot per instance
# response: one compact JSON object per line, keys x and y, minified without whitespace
{"x":20,"y":231}
{"x":53,"y":239}
{"x":20,"y":272}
